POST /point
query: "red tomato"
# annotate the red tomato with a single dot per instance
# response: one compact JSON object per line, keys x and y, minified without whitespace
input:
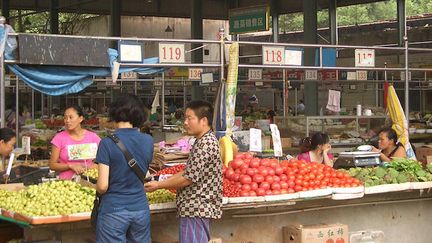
{"x":283,"y":177}
{"x":245,"y":179}
{"x":340,"y":240}
{"x":252,"y":194}
{"x":244,"y":166}
{"x":275,"y":186}
{"x":260,"y":192}
{"x":269,"y":192}
{"x":278,"y":170}
{"x":244,"y":194}
{"x":291,"y":184}
{"x":258,"y":178}
{"x":250,"y":172}
{"x":298,"y":188}
{"x":229,"y":174}
{"x":276,"y":192}
{"x":276,"y":178}
{"x":306,"y":177}
{"x":254,"y":163}
{"x":274,"y":164}
{"x":264,"y":185}
{"x":247,"y":156}
{"x":236,"y":177}
{"x":236,"y":163}
{"x":330,"y":241}
{"x":284,"y":191}
{"x":290,"y":190}
{"x":269,"y":179}
{"x":306,"y":183}
{"x":263,"y":170}
{"x":299,"y":182}
{"x":254,"y":186}
{"x":246,"y":187}
{"x":239,"y":156}
{"x":243,"y":171}
{"x":271,"y":171}
{"x":265,"y":162}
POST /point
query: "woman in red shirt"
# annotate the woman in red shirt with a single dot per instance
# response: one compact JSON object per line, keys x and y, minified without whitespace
{"x":316,"y":149}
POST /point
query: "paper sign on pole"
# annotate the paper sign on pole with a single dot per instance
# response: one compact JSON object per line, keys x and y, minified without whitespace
{"x":273,"y":55}
{"x":277,"y":144}
{"x":171,"y":53}
{"x":26,"y":144}
{"x":364,"y":58}
{"x":293,"y":57}
{"x":255,"y":142}
{"x":255,"y":74}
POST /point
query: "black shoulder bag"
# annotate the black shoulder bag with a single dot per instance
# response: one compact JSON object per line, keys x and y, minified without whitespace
{"x":132,"y":163}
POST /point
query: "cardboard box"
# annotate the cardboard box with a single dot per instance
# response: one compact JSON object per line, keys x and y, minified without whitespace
{"x":424,"y":154}
{"x":320,"y":233}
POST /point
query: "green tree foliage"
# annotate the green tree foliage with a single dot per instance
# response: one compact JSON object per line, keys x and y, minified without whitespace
{"x":358,"y":14}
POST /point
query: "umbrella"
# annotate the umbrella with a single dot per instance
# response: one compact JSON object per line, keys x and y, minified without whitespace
{"x":400,"y":123}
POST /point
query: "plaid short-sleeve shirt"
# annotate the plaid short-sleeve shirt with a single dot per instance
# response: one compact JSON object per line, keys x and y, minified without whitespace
{"x":203,"y":198}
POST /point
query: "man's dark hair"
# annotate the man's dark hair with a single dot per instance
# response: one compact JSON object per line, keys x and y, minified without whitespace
{"x":202,"y":109}
{"x":127,"y":108}
{"x":6,"y":134}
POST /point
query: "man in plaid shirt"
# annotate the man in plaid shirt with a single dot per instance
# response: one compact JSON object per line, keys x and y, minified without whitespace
{"x":199,"y":194}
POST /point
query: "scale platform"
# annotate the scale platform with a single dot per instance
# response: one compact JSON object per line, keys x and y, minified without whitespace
{"x":357,"y":159}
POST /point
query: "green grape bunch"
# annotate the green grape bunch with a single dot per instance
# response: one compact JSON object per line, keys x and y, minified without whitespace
{"x":49,"y":199}
{"x":160,"y":196}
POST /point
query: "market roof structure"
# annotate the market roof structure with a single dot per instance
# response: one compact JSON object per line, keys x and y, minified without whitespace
{"x":211,"y":9}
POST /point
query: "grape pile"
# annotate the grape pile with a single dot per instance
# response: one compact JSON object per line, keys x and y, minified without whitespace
{"x":49,"y":199}
{"x":160,"y":196}
{"x":92,"y":173}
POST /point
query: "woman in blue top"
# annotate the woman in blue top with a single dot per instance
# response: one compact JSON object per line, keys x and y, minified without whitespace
{"x":124,"y":214}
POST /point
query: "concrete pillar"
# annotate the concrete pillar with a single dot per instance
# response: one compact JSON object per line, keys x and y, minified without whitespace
{"x":333,"y":22}
{"x":401,"y":10}
{"x":197,"y":33}
{"x":5,"y":9}
{"x":115,"y":26}
{"x":310,"y":37}
{"x":54,"y":16}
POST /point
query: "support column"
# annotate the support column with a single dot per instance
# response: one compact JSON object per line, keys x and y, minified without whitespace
{"x":401,"y":10}
{"x":197,"y":33}
{"x":115,"y":21}
{"x":275,"y":21}
{"x":5,"y":9}
{"x":333,"y":22}
{"x":54,"y":16}
{"x":310,"y":37}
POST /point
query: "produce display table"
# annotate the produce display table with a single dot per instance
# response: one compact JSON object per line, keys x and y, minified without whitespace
{"x":402,"y":216}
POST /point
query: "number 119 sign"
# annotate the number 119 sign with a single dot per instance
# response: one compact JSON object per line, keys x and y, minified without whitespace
{"x":171,"y":53}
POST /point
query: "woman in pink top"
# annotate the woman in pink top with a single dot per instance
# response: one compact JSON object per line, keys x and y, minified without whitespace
{"x":75,"y":148}
{"x":316,"y":149}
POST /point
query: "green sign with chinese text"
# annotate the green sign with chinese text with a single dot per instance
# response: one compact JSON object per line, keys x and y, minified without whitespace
{"x":253,"y":19}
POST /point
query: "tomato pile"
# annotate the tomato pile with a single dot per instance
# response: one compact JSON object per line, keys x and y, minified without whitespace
{"x":171,"y":170}
{"x":250,"y":176}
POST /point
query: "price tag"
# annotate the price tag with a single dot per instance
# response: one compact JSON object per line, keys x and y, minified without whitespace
{"x":255,"y":74}
{"x":255,"y":142}
{"x":403,"y":76}
{"x":277,"y":144}
{"x":129,"y":75}
{"x":351,"y":75}
{"x":171,"y":53}
{"x":293,"y":57}
{"x":311,"y":75}
{"x":364,"y":58}
{"x":259,"y":83}
{"x":158,"y":83}
{"x":273,"y":55}
{"x":195,"y":73}
{"x":361,"y":75}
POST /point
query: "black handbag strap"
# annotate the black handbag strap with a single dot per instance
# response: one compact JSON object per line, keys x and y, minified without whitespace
{"x":132,"y":163}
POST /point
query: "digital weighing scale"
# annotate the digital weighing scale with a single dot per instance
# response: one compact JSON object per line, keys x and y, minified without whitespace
{"x":357,"y":159}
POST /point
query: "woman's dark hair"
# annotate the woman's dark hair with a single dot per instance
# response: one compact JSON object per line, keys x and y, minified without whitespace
{"x":390,"y":133}
{"x":311,"y":143}
{"x":6,"y":134}
{"x":77,"y":108}
{"x":127,"y":108}
{"x":202,"y":109}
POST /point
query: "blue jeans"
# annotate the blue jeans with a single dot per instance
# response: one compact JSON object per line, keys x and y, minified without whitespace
{"x":124,"y":226}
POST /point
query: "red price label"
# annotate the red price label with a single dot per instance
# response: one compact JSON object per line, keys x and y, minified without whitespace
{"x":272,"y":55}
{"x":171,"y":53}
